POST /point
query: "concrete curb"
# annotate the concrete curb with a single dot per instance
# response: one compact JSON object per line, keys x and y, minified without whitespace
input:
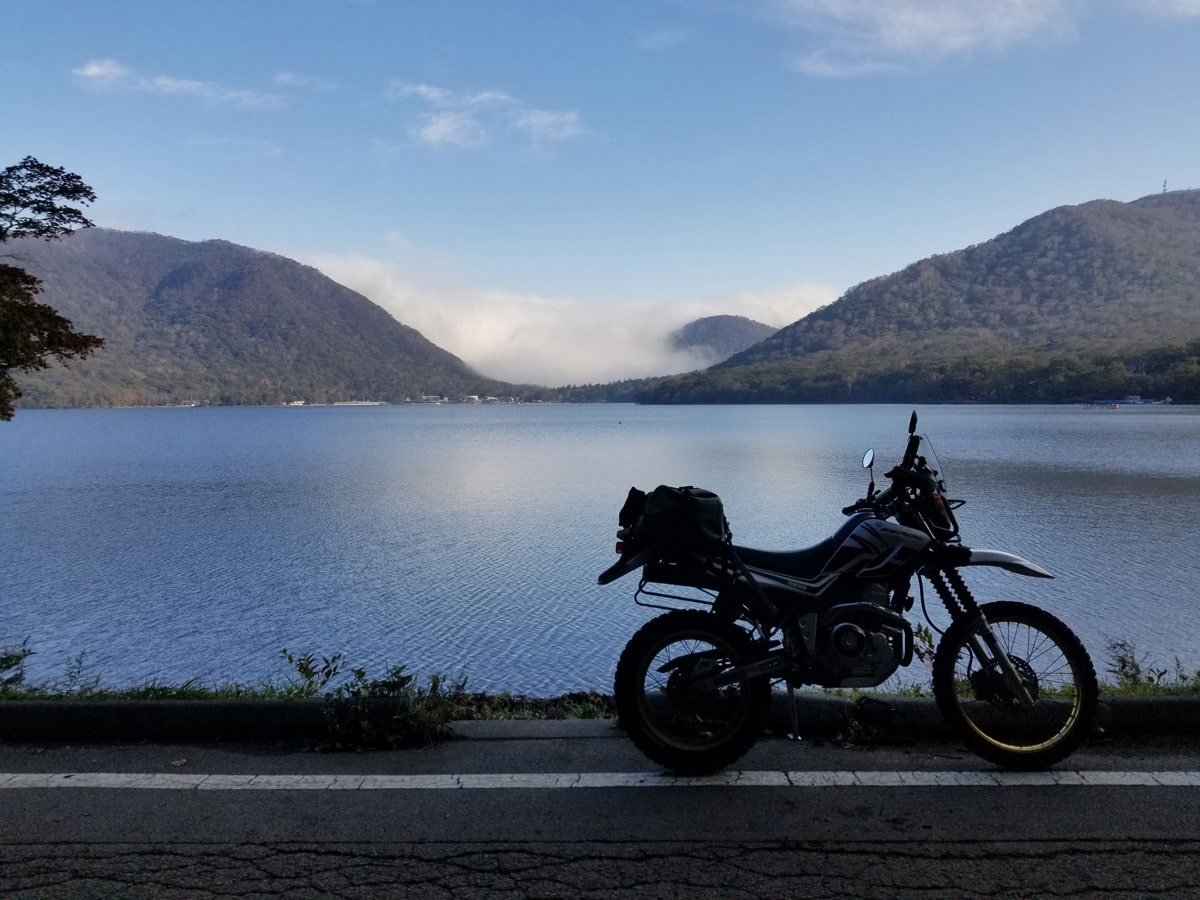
{"x":160,"y":720}
{"x":282,"y":720}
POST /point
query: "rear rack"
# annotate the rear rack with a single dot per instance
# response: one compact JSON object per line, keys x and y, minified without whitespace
{"x":706,"y":572}
{"x":709,"y":569}
{"x":643,"y":592}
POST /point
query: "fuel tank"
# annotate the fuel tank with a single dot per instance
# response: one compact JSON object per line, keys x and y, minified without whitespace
{"x":865,"y":554}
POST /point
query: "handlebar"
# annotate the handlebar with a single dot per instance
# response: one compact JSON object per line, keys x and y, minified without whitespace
{"x":915,"y":495}
{"x":905,"y":475}
{"x":879,"y":503}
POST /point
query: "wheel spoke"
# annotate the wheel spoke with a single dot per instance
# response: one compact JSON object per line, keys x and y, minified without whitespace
{"x":683,"y":717}
{"x":978,"y":694}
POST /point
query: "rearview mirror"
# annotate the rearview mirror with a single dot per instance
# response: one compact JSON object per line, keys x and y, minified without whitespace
{"x":869,"y":458}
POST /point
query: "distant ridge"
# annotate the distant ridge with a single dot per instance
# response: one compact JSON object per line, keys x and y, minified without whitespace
{"x":1103,"y":296}
{"x":716,"y":338}
{"x":215,"y":323}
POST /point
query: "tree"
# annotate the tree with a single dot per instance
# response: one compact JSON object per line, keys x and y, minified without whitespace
{"x":36,"y":201}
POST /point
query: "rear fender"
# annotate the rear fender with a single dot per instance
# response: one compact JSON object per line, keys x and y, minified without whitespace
{"x":624,"y":566}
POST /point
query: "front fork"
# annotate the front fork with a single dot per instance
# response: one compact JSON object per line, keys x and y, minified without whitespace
{"x":960,"y":603}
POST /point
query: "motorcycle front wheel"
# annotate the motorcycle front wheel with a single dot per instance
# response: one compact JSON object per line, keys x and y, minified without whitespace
{"x":977,"y":695}
{"x":672,"y":697}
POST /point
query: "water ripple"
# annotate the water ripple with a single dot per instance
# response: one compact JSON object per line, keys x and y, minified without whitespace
{"x":175,"y":544}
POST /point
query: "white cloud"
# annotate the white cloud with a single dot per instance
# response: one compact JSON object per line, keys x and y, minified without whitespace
{"x":1169,"y":8}
{"x":854,"y":37}
{"x":449,"y":128}
{"x":398,"y":90}
{"x":470,"y":120}
{"x":104,"y":72}
{"x":529,"y":338}
{"x":860,"y":37}
{"x":660,"y":39}
{"x":490,"y":98}
{"x":544,"y":125}
{"x":209,"y":92}
{"x":302,"y":82}
{"x":110,"y":73}
{"x":446,"y":99}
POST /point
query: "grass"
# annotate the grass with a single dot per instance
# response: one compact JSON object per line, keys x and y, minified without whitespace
{"x":1134,"y":676}
{"x":307,"y":679}
{"x":577,"y":705}
{"x":396,"y":709}
{"x":360,"y":711}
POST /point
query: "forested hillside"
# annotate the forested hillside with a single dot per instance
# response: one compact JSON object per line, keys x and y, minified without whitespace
{"x":216,"y":323}
{"x":1081,"y":303}
{"x":1078,"y":303}
{"x":716,"y":338}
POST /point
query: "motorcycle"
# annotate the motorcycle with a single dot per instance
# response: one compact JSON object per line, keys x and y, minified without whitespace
{"x":693,"y":686}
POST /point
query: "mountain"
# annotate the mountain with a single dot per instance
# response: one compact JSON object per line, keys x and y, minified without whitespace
{"x":715,"y":338}
{"x":1080,"y":303}
{"x":215,"y":323}
{"x":1103,"y":296}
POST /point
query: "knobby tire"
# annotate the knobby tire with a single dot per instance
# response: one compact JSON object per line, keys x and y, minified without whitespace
{"x":976,"y":700}
{"x":689,"y":732}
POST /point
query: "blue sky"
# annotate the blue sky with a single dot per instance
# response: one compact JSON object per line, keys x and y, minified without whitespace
{"x":547,"y":188}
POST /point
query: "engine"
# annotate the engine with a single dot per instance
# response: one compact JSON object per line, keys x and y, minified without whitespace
{"x":858,"y":645}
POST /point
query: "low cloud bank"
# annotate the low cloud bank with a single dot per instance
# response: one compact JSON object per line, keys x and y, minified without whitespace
{"x":555,"y":341}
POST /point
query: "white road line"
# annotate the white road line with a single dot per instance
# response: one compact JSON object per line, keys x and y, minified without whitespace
{"x":180,"y":781}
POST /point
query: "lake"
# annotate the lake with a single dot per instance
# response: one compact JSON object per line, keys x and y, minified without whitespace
{"x":197,"y":543}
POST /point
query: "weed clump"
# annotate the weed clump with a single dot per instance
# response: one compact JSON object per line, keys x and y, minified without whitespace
{"x":1135,"y":676}
{"x":12,"y":666}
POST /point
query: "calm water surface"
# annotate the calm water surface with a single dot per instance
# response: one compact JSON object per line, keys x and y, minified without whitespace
{"x":197,"y":543}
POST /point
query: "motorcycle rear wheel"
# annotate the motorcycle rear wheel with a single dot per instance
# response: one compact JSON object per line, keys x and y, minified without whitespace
{"x":667,"y":704}
{"x":975,"y":695}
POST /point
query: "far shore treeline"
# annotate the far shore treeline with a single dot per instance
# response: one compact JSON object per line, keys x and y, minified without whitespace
{"x":1171,"y":372}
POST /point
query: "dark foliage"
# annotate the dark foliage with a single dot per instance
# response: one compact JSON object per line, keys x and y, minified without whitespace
{"x":31,"y":334}
{"x":35,"y":201}
{"x":35,"y":205}
{"x":1172,"y":371}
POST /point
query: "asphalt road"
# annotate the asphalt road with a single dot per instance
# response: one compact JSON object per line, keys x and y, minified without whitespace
{"x":572,"y":809}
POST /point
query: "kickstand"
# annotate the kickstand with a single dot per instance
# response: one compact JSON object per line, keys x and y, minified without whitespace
{"x":794,"y":734}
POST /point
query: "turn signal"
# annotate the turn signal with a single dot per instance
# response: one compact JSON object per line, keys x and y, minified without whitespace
{"x":620,"y":547}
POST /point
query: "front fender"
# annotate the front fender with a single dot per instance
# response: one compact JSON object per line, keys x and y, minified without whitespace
{"x":1003,"y":560}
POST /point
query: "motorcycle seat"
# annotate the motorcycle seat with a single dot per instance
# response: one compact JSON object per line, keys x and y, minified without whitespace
{"x":805,"y":563}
